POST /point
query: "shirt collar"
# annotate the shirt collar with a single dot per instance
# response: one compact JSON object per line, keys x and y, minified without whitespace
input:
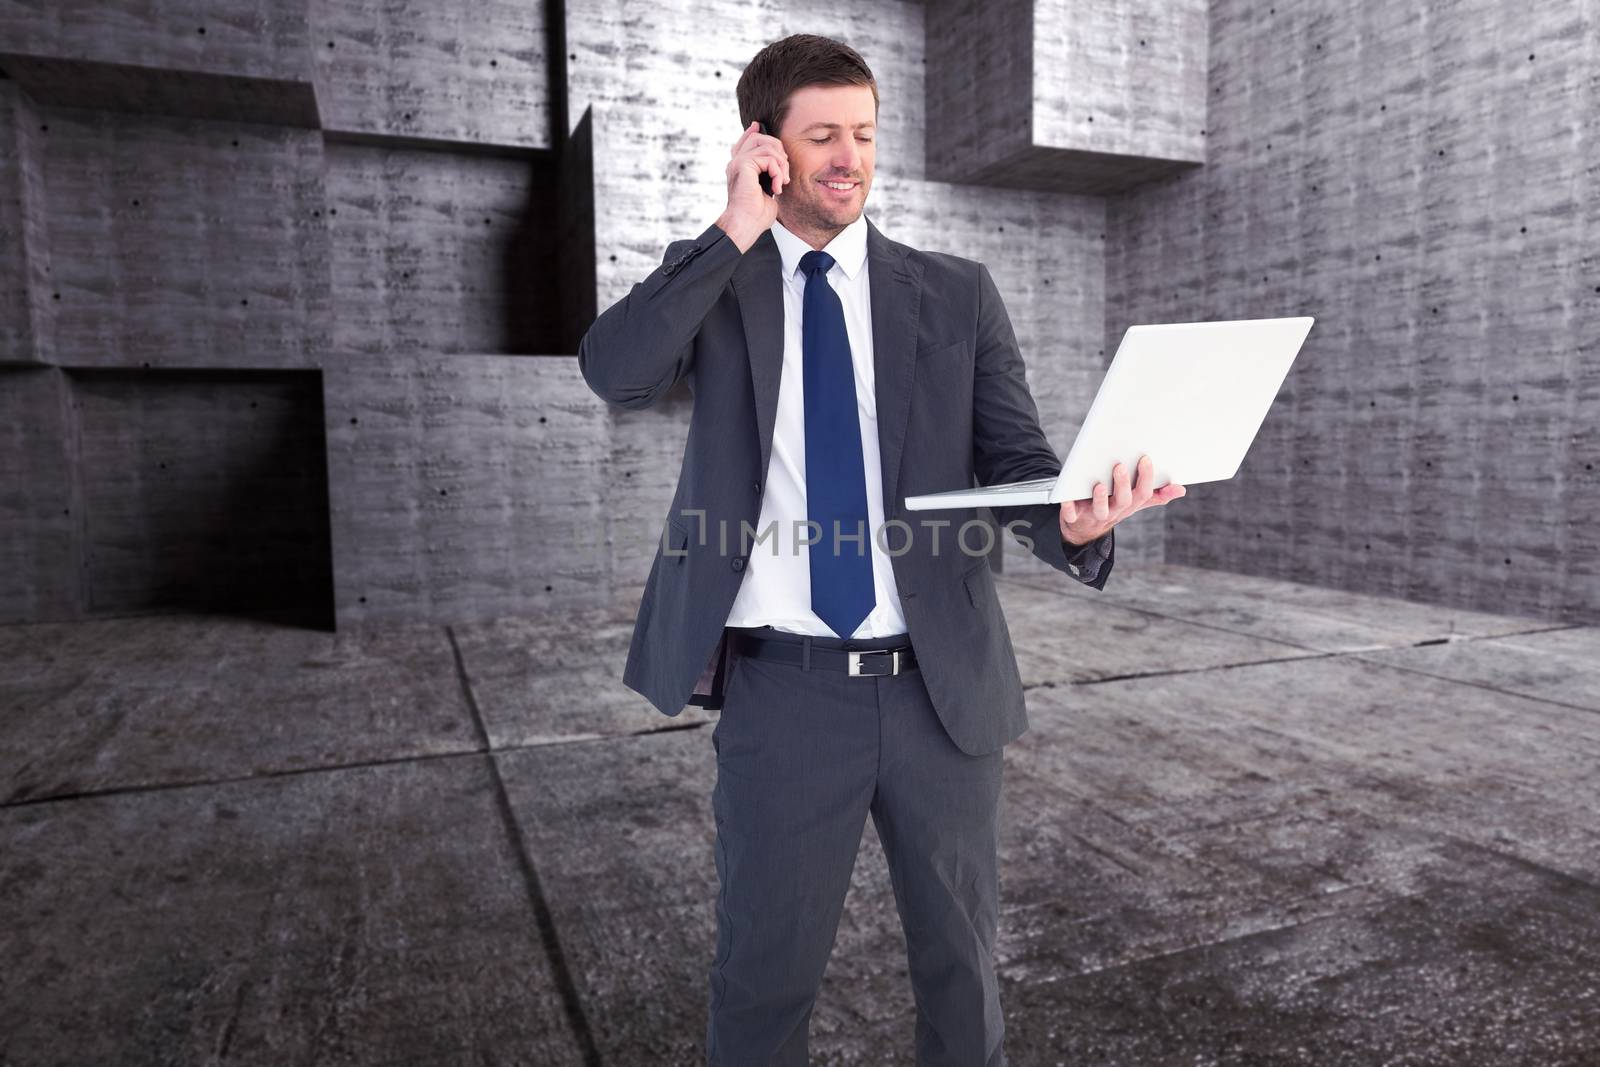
{"x":848,"y":247}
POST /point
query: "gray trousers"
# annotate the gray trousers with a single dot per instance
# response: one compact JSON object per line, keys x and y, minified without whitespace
{"x":802,"y":757}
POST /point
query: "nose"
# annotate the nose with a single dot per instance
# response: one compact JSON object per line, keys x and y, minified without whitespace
{"x":847,"y":161}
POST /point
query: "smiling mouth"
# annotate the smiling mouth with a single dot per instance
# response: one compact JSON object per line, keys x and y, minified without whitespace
{"x":850,"y":189}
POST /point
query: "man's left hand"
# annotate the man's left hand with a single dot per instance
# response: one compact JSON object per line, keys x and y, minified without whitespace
{"x":1090,"y":519}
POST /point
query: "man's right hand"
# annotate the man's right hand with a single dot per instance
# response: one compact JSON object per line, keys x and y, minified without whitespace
{"x":750,"y":211}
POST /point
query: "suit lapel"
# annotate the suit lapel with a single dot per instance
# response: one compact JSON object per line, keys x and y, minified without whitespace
{"x":894,"y":283}
{"x":758,"y":285}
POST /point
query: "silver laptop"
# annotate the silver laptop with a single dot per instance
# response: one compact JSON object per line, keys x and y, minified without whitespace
{"x":1190,"y":394}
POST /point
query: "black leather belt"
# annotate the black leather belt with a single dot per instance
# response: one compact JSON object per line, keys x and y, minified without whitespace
{"x":866,"y":663}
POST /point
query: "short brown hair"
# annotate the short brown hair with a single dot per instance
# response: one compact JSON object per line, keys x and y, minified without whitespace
{"x":797,"y":61}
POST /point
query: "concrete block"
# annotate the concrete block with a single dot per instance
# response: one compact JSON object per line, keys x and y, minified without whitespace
{"x":472,"y":74}
{"x":26,"y":308}
{"x":41,"y":505}
{"x":1043,"y":94}
{"x":433,"y":252}
{"x":465,"y":487}
{"x":239,"y":60}
{"x":182,"y":241}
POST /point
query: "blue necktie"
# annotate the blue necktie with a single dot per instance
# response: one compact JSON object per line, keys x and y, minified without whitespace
{"x":836,"y":481}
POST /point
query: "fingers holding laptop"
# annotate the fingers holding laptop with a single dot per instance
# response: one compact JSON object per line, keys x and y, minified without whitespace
{"x":1089,"y":519}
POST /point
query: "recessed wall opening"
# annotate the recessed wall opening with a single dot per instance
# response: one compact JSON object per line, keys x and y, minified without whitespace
{"x":204,"y":490}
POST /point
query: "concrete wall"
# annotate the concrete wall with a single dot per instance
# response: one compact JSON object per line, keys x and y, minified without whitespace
{"x":223,"y":226}
{"x":421,"y":207}
{"x":1425,"y":180}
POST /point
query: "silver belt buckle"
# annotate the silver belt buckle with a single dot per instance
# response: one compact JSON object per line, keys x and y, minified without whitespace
{"x":854,"y":666}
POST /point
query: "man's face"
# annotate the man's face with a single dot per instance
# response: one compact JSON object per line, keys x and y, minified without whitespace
{"x":830,"y":133}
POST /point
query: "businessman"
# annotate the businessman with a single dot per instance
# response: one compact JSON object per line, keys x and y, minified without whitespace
{"x":857,"y":651}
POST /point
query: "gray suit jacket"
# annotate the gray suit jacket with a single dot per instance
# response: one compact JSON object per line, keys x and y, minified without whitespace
{"x":952,"y":404}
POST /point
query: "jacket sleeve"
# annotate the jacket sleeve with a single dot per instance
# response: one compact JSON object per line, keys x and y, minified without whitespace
{"x":1009,"y":446}
{"x":643,"y":345}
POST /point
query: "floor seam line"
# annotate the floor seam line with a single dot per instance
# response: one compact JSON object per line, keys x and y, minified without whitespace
{"x":571,"y":1003}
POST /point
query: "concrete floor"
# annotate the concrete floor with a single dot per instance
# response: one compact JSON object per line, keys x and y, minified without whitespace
{"x":1252,"y":823}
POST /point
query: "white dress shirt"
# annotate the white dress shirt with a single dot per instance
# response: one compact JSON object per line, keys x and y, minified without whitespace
{"x":776,"y":589}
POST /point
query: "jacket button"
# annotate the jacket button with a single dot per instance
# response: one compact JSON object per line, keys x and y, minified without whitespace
{"x":738,"y":563}
{"x":758,"y":487}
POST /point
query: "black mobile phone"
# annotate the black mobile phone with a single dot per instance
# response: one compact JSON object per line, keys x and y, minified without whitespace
{"x":764,"y":178}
